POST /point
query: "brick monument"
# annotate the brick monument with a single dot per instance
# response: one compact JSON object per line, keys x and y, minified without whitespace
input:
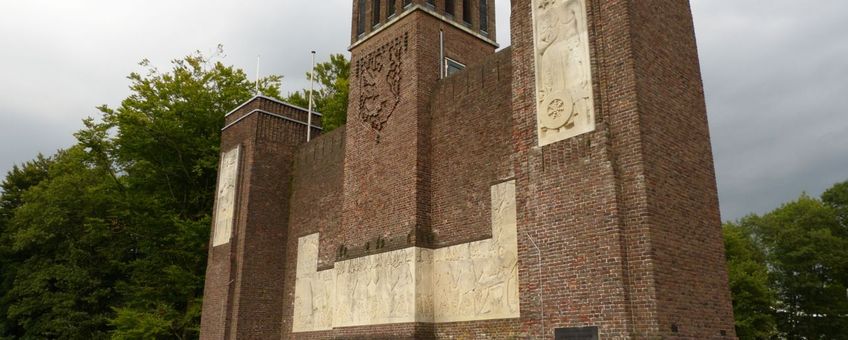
{"x":560,"y":188}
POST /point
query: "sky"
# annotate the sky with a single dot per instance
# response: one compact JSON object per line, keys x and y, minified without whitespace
{"x":775,"y":74}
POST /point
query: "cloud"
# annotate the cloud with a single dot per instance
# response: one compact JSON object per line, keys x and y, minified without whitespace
{"x":774,"y":74}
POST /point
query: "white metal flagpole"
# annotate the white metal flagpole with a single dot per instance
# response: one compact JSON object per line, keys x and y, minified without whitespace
{"x":257,"y":74}
{"x":311,"y":90}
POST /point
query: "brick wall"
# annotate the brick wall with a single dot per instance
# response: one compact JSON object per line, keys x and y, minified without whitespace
{"x":317,"y":183}
{"x":386,"y":173}
{"x":243,"y":287}
{"x":691,"y":275}
{"x":625,"y":218}
{"x":623,"y":215}
{"x":470,"y":148}
{"x":385,"y":18}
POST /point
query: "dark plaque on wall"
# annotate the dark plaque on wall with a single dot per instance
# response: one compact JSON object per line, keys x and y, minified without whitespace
{"x":585,"y":333}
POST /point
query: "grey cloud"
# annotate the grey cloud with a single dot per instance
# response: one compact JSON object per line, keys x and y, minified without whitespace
{"x":774,"y":73}
{"x":775,"y":78}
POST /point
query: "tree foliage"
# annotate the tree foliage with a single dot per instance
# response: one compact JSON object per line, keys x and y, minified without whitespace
{"x":108,"y":238}
{"x":16,"y":183}
{"x":753,"y":298}
{"x":837,"y":199}
{"x":804,"y":244}
{"x":808,"y":251}
{"x":331,"y":98}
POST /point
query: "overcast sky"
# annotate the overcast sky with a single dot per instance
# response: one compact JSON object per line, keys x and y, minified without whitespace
{"x":776,"y":74}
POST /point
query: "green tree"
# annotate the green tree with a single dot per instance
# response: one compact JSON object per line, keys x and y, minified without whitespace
{"x":166,"y":145}
{"x":110,"y":240}
{"x":837,"y":198}
{"x":15,"y":184}
{"x":168,"y":130}
{"x":63,"y":236}
{"x":753,"y":299}
{"x":331,"y":98}
{"x":807,"y":252}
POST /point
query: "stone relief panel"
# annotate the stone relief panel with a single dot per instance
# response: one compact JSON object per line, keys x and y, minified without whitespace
{"x":379,"y":75}
{"x":467,"y":282}
{"x":314,"y":291}
{"x":225,"y":198}
{"x":424,"y":307}
{"x":378,"y":289}
{"x":479,"y":280}
{"x":564,"y":98}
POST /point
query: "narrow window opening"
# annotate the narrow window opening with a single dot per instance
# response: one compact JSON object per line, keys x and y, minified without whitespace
{"x":466,"y":12}
{"x":431,"y":4}
{"x":376,"y":13}
{"x":450,"y":7}
{"x":407,"y":3}
{"x":360,"y":23}
{"x":392,"y":9}
{"x":484,"y":16}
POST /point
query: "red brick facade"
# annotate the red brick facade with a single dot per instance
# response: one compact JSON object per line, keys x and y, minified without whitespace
{"x":625,"y":218}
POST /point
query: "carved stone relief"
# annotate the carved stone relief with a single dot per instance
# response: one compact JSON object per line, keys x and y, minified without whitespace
{"x":467,"y":282}
{"x":479,"y":280}
{"x":564,"y":100}
{"x":376,"y":289}
{"x":315,"y":291}
{"x":379,"y":74}
{"x":225,"y":199}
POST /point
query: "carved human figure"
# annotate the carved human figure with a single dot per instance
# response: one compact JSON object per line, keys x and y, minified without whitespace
{"x":360,"y":300}
{"x":564,"y":93}
{"x":225,"y":204}
{"x":465,"y":282}
{"x":398,"y":285}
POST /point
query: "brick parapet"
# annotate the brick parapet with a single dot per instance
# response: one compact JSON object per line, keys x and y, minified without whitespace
{"x":469,"y":149}
{"x":274,"y":107}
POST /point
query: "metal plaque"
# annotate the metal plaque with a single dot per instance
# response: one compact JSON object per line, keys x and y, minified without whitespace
{"x":585,"y":333}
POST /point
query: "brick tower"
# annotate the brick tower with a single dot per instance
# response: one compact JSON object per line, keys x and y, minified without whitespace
{"x":560,"y":188}
{"x":400,"y":50}
{"x":622,"y":203}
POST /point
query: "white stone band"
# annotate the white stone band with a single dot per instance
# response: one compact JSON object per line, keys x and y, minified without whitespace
{"x":467,"y":282}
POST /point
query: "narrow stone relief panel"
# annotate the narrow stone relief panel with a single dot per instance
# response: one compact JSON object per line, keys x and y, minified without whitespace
{"x":467,"y":282}
{"x":225,"y":200}
{"x":314,"y":291}
{"x":479,"y":280}
{"x":564,"y":104}
{"x":424,"y":308}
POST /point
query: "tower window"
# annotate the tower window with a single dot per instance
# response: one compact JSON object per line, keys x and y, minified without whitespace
{"x":431,"y":3}
{"x":484,"y":16}
{"x":466,"y":11}
{"x":450,"y":7}
{"x":407,"y":3}
{"x":376,"y":12}
{"x":360,"y":23}
{"x":392,"y":8}
{"x":452,"y":66}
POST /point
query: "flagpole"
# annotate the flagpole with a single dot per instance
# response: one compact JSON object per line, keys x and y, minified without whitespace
{"x":311,"y":90}
{"x":257,"y":74}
